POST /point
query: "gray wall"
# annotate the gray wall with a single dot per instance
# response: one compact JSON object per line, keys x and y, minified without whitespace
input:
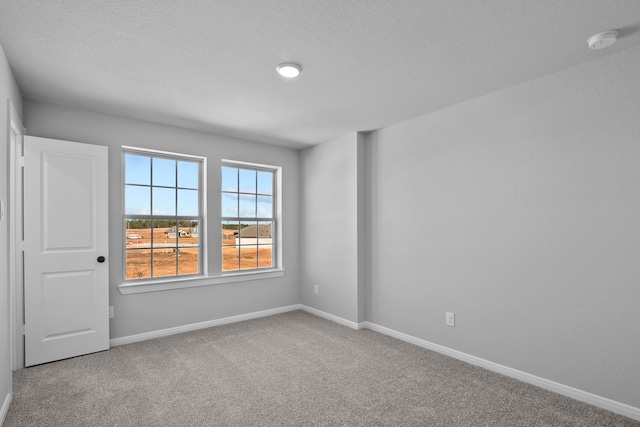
{"x":520,"y":212}
{"x":8,"y":90}
{"x":140,"y":313}
{"x":330,"y":214}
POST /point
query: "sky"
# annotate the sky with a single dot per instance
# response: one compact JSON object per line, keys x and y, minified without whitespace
{"x":170,"y":187}
{"x":247,"y":192}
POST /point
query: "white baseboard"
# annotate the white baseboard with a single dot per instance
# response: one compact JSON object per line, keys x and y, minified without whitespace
{"x":201,"y":325}
{"x":5,"y":408}
{"x":583,"y":396}
{"x":336,"y":319}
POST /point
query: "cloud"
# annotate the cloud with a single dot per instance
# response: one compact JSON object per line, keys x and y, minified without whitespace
{"x":137,"y":211}
{"x":264,"y":212}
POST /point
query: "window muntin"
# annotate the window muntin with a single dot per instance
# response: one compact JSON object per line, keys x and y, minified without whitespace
{"x":163,"y":196}
{"x":248,"y":218}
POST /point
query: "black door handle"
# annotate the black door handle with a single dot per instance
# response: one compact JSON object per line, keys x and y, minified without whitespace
{"x":101,"y":258}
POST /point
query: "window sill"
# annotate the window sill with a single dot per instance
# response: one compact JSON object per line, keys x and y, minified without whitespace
{"x":149,"y":286}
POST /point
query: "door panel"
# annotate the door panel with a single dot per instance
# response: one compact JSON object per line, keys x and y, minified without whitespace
{"x":68,"y":204}
{"x":65,"y":217}
{"x":69,"y":288}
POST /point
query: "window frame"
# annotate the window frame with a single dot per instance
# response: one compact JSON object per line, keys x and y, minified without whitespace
{"x":201,"y":217}
{"x":275,"y":226}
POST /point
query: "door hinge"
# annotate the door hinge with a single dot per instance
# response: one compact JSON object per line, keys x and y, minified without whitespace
{"x":22,"y":330}
{"x":20,"y":161}
{"x":21,"y":246}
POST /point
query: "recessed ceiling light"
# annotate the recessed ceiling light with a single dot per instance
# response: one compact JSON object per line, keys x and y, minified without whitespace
{"x":289,"y":69}
{"x":602,"y":40}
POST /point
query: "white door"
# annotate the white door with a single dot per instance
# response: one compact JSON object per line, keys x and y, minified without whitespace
{"x":66,"y":280}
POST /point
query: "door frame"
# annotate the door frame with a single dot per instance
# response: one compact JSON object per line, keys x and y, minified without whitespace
{"x":15,"y":136}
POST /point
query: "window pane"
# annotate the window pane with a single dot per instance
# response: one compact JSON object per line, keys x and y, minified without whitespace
{"x":165,"y":233}
{"x":188,"y":247}
{"x":248,"y":233}
{"x":188,"y":175}
{"x":265,"y":258}
{"x":165,"y":242}
{"x":247,"y":206}
{"x":188,"y":202}
{"x":164,"y":262}
{"x":138,"y":249}
{"x":138,"y":261}
{"x":265,"y":207}
{"x":265,"y":244}
{"x":137,"y":200}
{"x":248,"y":257}
{"x":230,"y":258}
{"x":137,"y":169}
{"x":247,"y":181}
{"x":192,"y":227}
{"x":265,"y":183}
{"x":189,"y":233}
{"x":164,"y":172}
{"x":229,"y":232}
{"x":188,"y":261}
{"x":164,"y":201}
{"x":230,"y":250}
{"x":229,"y":204}
{"x":265,"y":233}
{"x":229,"y":179}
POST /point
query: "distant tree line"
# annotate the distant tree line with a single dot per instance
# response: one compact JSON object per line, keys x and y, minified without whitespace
{"x":136,"y":224}
{"x":234,"y":226}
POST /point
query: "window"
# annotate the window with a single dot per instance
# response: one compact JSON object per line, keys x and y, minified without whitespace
{"x":165,"y":215}
{"x":163,"y":205}
{"x":248,"y":217}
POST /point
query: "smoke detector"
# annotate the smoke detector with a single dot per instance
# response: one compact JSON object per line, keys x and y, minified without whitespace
{"x":602,"y":40}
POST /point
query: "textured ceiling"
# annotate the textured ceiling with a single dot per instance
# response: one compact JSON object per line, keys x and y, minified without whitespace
{"x":210,"y":65}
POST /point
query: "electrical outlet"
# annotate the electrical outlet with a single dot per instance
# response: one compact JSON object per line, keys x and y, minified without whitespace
{"x":450,"y":319}
{"x":111,"y":314}
{"x":316,"y":289}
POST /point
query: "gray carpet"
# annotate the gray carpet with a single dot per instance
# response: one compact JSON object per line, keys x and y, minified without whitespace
{"x":291,"y":369}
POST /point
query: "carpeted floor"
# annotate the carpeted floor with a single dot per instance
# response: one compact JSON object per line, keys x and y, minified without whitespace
{"x":291,"y":369}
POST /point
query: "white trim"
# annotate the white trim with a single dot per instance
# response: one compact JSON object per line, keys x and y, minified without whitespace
{"x":565,"y":390}
{"x":151,"y":151}
{"x":261,"y":166}
{"x":5,"y":407}
{"x":153,"y":286}
{"x":15,"y":267}
{"x":333,"y":318}
{"x":201,"y":325}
